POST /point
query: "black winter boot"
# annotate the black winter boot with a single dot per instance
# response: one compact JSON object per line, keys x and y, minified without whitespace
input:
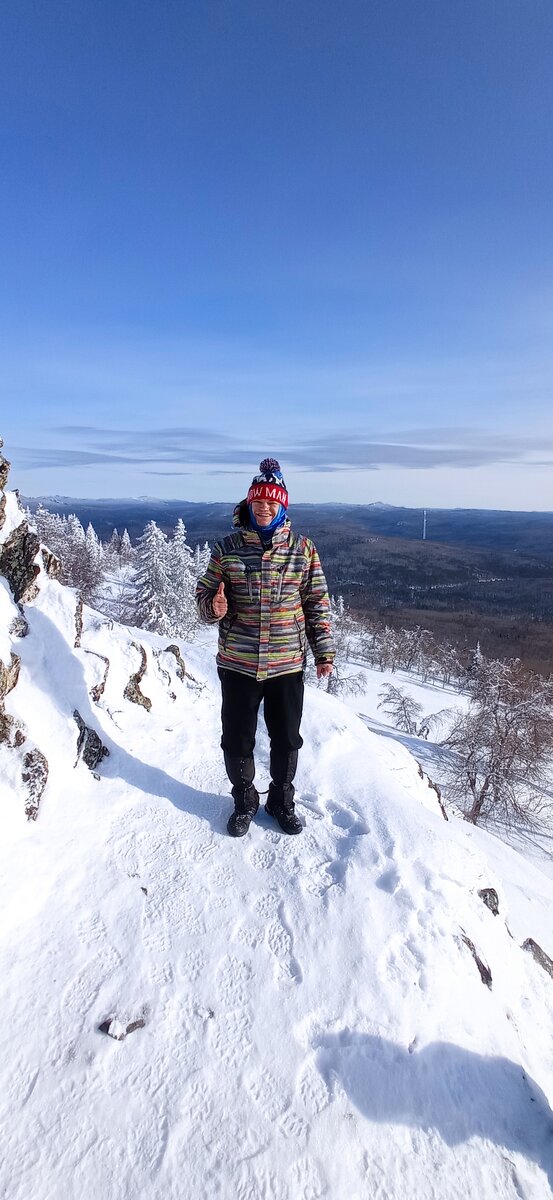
{"x":246,"y":799}
{"x":280,"y":801}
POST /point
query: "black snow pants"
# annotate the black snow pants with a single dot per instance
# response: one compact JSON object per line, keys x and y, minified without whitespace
{"x":282,"y":708}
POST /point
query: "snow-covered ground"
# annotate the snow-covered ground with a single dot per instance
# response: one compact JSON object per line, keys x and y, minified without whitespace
{"x":314,"y":1024}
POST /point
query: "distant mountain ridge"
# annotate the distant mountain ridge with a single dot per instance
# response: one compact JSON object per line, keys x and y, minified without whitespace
{"x":498,"y":529}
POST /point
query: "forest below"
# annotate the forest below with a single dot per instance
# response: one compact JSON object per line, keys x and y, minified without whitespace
{"x":480,"y":575}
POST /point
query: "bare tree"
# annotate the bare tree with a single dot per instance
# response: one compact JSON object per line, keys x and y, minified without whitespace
{"x":343,"y":681}
{"x":502,"y":747}
{"x":404,"y":711}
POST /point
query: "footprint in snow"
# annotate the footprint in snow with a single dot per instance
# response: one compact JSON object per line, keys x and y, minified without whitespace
{"x":146,"y":1143}
{"x":233,"y":976}
{"x":262,"y":859}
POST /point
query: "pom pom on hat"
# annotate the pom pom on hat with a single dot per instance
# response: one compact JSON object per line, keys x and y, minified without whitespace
{"x":268,"y":466}
{"x":269,"y":484}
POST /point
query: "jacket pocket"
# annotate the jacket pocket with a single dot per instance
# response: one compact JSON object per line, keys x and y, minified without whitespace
{"x":301,"y":636}
{"x":225,"y":636}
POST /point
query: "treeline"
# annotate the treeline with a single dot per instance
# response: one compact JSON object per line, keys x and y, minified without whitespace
{"x":151,"y":584}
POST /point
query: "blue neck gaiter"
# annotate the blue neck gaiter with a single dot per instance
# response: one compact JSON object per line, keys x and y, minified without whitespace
{"x":266,"y":531}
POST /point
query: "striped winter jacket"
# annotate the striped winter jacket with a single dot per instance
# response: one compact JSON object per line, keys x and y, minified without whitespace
{"x":277,"y":601}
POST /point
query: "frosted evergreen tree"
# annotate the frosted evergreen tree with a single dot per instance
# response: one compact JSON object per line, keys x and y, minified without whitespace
{"x":113,"y":548}
{"x":202,"y":556}
{"x":181,"y":605}
{"x":51,"y":531}
{"x":75,"y":551}
{"x":126,"y":554}
{"x":153,"y":581}
{"x":92,"y":568}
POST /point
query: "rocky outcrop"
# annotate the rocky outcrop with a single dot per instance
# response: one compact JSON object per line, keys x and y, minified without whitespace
{"x":483,"y":970}
{"x":132,"y":691}
{"x":17,"y":563}
{"x":78,"y":623}
{"x":181,"y":669}
{"x":115,"y":1028}
{"x":98,"y":689}
{"x":21,"y":561}
{"x":490,"y":898}
{"x":90,"y":747}
{"x":35,"y":778}
{"x":19,"y":627}
{"x":19,"y":552}
{"x":4,"y":470}
{"x":9,"y":675}
{"x":435,"y":788}
{"x":539,"y":955}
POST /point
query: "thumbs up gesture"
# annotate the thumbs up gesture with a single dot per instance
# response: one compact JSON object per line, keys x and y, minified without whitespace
{"x":219,"y":603}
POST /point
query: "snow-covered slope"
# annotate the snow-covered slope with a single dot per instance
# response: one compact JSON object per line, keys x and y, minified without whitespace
{"x":312,"y":1022}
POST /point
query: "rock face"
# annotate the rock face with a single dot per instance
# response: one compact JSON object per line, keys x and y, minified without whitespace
{"x":483,"y":969}
{"x":4,"y":469}
{"x":90,"y":746}
{"x":181,"y":669}
{"x":18,"y":565}
{"x":35,"y":778}
{"x":540,"y":956}
{"x":78,"y":623}
{"x":132,"y":691}
{"x":19,"y":627}
{"x":8,"y":679}
{"x":490,"y":898}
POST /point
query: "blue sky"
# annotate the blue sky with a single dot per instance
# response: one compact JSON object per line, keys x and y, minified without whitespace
{"x":320,"y":231}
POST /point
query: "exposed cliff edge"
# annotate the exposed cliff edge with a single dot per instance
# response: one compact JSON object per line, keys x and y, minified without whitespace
{"x":23,"y":561}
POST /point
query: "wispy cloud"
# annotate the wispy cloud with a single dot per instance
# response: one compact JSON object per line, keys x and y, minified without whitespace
{"x":162,"y":451}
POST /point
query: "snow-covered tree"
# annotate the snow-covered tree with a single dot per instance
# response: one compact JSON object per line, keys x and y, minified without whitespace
{"x":180,"y":602}
{"x":91,"y":565}
{"x":202,"y":555}
{"x":153,"y":581}
{"x":126,"y":553}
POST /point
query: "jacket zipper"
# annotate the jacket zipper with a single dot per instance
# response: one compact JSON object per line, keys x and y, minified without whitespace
{"x":280,"y":583}
{"x":249,"y":578}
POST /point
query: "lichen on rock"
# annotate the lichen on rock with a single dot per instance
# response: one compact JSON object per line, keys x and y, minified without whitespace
{"x":35,"y":778}
{"x":90,"y":746}
{"x":132,"y":691}
{"x":4,"y":468}
{"x":98,"y":689}
{"x":17,"y":563}
{"x":539,"y":955}
{"x":9,"y":675}
{"x":181,"y":669}
{"x":78,"y":623}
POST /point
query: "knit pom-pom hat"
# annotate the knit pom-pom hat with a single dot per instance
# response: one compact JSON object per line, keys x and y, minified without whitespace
{"x":269,"y":484}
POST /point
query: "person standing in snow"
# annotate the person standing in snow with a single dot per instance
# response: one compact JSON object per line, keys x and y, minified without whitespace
{"x":265,"y":587}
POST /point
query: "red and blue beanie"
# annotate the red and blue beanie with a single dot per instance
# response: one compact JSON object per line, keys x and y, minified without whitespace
{"x":269,"y":484}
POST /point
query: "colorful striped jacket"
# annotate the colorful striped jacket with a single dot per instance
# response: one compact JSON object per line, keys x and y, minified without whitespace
{"x":277,"y":601}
